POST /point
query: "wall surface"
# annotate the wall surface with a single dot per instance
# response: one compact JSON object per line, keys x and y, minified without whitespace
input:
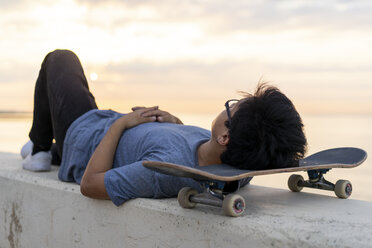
{"x":37,"y":210}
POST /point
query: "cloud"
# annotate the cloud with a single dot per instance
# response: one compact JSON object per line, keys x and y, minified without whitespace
{"x":15,"y":72}
{"x":201,"y":49}
{"x":223,"y":78}
{"x":19,"y":5}
{"x":281,"y":15}
{"x":6,"y":4}
{"x":222,"y":16}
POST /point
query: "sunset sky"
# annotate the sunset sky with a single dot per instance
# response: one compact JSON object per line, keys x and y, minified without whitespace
{"x":191,"y":56}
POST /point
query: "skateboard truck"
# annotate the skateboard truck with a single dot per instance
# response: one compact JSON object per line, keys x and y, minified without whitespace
{"x":214,"y":195}
{"x":342,"y":188}
{"x":317,"y":180}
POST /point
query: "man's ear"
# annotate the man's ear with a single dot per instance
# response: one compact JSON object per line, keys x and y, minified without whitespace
{"x":223,"y":139}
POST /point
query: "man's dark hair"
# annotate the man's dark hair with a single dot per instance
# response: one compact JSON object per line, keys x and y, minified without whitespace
{"x":266,"y":132}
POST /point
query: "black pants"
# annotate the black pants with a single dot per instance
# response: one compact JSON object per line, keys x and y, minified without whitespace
{"x":61,"y":96}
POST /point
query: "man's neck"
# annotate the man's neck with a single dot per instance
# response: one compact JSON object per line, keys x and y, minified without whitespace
{"x":209,"y":153}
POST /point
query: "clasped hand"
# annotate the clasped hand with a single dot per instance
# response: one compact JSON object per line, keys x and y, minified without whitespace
{"x":149,"y":114}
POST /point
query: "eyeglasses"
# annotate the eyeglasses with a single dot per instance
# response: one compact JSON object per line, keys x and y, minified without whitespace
{"x":228,"y":105}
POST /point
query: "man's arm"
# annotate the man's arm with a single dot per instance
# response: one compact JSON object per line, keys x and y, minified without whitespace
{"x":92,"y":183}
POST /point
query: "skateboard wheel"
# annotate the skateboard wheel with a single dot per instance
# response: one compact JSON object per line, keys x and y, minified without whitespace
{"x":184,"y":197}
{"x":233,"y":205}
{"x":343,"y":189}
{"x":293,"y":182}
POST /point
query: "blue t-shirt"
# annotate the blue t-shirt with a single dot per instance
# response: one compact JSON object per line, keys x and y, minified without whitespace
{"x":128,"y":179}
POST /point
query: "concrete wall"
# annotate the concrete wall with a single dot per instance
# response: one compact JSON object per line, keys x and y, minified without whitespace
{"x":37,"y":210}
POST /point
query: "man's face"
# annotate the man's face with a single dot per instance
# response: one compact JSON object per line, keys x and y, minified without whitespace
{"x":218,"y":124}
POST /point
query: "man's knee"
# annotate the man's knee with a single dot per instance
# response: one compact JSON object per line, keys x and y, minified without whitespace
{"x":60,"y":55}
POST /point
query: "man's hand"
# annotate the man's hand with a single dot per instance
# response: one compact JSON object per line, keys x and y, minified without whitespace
{"x":160,"y":115}
{"x":138,"y":116}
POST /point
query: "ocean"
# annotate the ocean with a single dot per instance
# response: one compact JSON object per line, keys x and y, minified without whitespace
{"x":322,"y":131}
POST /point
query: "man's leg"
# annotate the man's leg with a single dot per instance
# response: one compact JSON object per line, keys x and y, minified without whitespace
{"x":69,"y":95}
{"x":61,"y":96}
{"x":41,"y":133}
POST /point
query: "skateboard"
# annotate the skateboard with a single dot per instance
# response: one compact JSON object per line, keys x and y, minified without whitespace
{"x":221,"y":181}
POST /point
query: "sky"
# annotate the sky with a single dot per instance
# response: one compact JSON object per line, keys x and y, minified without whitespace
{"x":191,"y":56}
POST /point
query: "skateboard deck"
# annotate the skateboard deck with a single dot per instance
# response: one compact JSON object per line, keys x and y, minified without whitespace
{"x":214,"y":178}
{"x":346,"y":157}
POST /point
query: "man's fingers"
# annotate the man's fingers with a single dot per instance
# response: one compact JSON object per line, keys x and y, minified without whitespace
{"x":150,"y":113}
{"x":144,"y":108}
{"x":150,"y":119}
{"x":137,"y":108}
{"x":156,"y":112}
{"x":141,"y":111}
